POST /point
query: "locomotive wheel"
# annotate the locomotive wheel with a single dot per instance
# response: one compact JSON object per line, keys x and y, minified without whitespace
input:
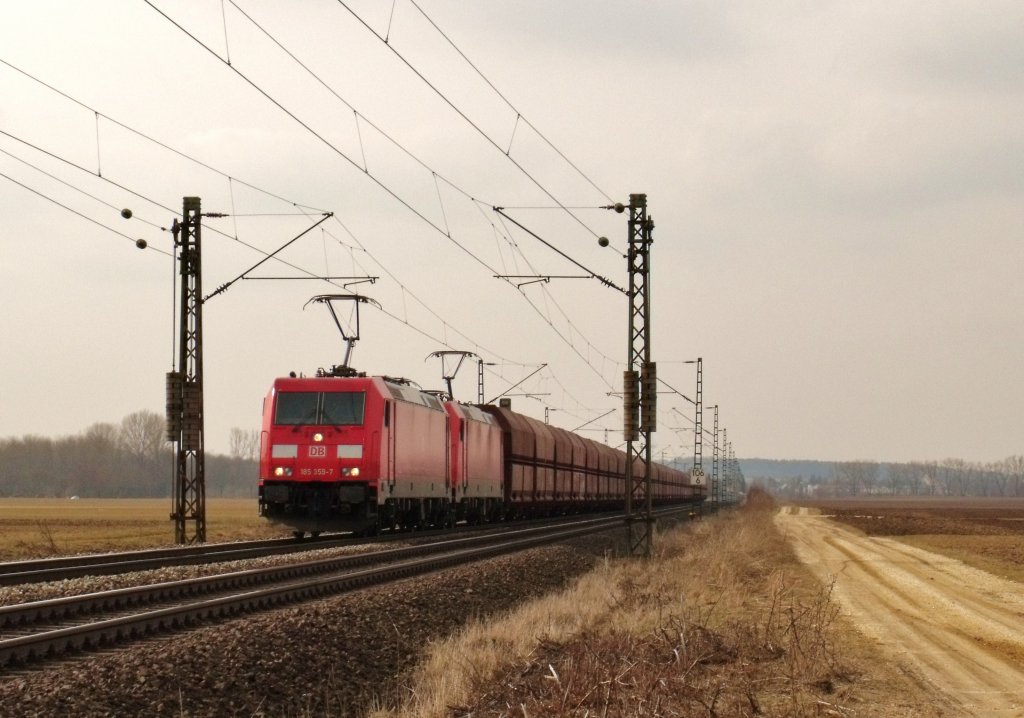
{"x":299,"y":534}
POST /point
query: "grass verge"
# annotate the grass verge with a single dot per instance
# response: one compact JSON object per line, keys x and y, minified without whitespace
{"x":722,"y":621}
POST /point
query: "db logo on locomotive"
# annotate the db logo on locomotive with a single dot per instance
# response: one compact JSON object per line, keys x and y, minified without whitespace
{"x":318,"y":452}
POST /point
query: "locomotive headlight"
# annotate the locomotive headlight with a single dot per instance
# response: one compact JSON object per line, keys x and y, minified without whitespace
{"x":279,"y":471}
{"x":318,"y":437}
{"x":355,"y":471}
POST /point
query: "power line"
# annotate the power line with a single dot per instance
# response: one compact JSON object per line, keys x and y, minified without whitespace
{"x":83,"y":216}
{"x":464,"y":116}
{"x":145,"y":198}
{"x":98,"y":114}
{"x":181,"y":154}
{"x":322,"y":139}
{"x":436,"y":175}
{"x":595,"y":275}
{"x":572,"y":326}
{"x":323,"y":83}
{"x":342,"y":154}
{"x":69,"y":185}
{"x":224,"y":287}
{"x":519,"y":115}
{"x":443,"y":342}
{"x":144,"y":136}
{"x":218,"y":172}
{"x":214,"y":229}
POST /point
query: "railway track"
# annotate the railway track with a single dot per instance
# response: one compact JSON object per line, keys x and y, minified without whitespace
{"x":64,"y":567}
{"x":32,"y":632}
{"x":14,"y":573}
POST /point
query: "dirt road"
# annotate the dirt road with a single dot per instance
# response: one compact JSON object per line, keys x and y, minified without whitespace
{"x":960,"y":628}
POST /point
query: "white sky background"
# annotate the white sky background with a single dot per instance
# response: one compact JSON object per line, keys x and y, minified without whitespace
{"x":836,"y":188}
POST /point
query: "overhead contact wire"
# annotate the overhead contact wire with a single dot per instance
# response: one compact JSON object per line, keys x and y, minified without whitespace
{"x":436,"y":176}
{"x":462,"y":114}
{"x":232,"y":181}
{"x":322,"y":139}
{"x":149,"y":199}
{"x":352,"y":162}
{"x":75,"y":211}
{"x":146,"y":137}
{"x":211,"y":169}
{"x":512,"y":107}
{"x":358,"y":115}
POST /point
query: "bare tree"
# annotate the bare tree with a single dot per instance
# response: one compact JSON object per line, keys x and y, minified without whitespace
{"x":142,"y":435}
{"x":896,"y":477}
{"x":1014,"y":467}
{"x":994,"y":479}
{"x":856,"y":477}
{"x":244,"y":444}
{"x":97,"y":460}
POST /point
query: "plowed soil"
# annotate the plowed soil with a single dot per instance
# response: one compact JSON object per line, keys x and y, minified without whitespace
{"x":907,"y":516}
{"x":960,"y":628}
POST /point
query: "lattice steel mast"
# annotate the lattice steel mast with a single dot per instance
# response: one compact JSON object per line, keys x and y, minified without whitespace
{"x":698,"y":424}
{"x":723,"y":491}
{"x":640,"y":381}
{"x":714,"y":463}
{"x":185,"y":385}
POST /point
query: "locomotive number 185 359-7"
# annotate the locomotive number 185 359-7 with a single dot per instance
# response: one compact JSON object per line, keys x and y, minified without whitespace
{"x":314,"y":472}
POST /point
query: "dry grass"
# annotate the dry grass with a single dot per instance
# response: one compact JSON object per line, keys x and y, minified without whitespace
{"x":721,"y":622}
{"x":35,"y":528}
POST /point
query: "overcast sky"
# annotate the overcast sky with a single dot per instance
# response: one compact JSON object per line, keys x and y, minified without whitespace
{"x":836,"y":189}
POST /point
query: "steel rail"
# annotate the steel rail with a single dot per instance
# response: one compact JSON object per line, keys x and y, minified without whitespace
{"x":73,"y":607}
{"x":65,"y":567}
{"x":114,"y":630}
{"x":61,"y":567}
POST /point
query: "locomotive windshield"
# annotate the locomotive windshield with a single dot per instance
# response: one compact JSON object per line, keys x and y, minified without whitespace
{"x":338,"y":408}
{"x":310,"y":407}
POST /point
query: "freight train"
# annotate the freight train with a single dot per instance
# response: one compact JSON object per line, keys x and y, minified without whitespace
{"x":364,"y":453}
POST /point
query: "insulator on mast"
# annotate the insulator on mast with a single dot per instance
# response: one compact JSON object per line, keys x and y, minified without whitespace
{"x":174,"y":405}
{"x":631,"y":405}
{"x":649,"y":387}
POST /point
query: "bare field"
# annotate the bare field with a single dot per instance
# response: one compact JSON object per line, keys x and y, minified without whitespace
{"x":931,"y":503}
{"x":38,"y":528}
{"x":986,"y":533}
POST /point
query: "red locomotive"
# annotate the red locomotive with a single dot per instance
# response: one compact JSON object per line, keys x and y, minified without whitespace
{"x":358,"y":453}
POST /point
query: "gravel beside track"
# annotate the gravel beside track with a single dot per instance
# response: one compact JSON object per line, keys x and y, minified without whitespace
{"x":325,"y":658}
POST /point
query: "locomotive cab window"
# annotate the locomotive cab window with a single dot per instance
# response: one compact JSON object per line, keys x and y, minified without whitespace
{"x":331,"y":408}
{"x":297,"y":407}
{"x":343,"y":408}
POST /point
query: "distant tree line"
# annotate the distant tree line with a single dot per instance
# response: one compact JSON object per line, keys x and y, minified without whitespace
{"x":950,"y":477}
{"x":127,"y":460}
